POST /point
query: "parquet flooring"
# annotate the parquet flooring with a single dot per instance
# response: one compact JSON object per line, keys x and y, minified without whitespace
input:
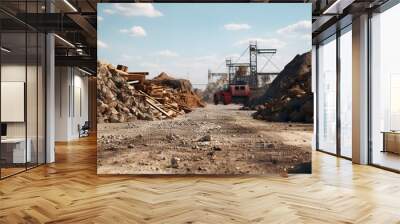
{"x":69,"y":191}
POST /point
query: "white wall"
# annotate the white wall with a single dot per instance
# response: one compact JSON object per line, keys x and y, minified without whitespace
{"x":69,"y":82}
{"x":61,"y":105}
{"x":14,"y":72}
{"x":33,"y":126}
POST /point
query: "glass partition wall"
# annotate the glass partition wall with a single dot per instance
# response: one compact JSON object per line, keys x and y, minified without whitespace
{"x":327,"y":95}
{"x":22,"y":107}
{"x":334,"y":94}
{"x":385,"y":89}
{"x":345,"y":89}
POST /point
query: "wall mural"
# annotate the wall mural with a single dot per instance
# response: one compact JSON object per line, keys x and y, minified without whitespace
{"x":204,"y":88}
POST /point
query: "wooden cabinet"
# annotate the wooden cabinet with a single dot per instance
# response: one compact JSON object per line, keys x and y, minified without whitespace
{"x":391,"y":142}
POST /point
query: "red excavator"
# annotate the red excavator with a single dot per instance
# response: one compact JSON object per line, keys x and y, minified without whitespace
{"x":241,"y":76}
{"x":238,"y":93}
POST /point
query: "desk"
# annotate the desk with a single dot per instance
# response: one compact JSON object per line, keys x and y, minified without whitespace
{"x":15,"y":148}
{"x":391,"y":141}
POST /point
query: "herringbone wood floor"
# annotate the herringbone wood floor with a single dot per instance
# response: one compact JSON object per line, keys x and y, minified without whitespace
{"x":69,"y":191}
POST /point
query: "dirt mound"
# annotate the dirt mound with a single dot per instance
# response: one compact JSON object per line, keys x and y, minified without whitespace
{"x":289,"y":97}
{"x":180,"y":90}
{"x":163,"y":76}
{"x":164,"y":79}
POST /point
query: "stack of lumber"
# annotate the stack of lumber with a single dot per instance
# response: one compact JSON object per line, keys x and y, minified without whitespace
{"x":118,"y":101}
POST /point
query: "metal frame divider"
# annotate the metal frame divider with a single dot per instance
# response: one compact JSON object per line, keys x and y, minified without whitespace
{"x":338,"y":78}
{"x":338,"y":74}
{"x":44,"y":77}
{"x":0,"y":95}
{"x":316,"y":97}
{"x":26,"y":86}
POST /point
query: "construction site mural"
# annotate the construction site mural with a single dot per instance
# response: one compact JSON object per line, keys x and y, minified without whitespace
{"x":221,"y":89}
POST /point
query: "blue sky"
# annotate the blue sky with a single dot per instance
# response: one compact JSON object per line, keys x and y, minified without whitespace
{"x":185,"y":40}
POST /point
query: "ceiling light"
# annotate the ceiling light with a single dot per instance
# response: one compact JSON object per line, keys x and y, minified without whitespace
{"x":330,"y":8}
{"x":70,"y":5}
{"x":86,"y":72}
{"x":337,"y":7}
{"x":64,"y":40}
{"x":5,"y":50}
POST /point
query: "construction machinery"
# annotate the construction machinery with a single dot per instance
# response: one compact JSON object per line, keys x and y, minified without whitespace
{"x":242,"y":76}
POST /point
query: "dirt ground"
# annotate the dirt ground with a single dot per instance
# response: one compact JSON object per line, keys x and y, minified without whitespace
{"x":217,"y":139}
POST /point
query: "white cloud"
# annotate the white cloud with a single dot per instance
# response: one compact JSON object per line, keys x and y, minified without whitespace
{"x":136,"y":31}
{"x":99,"y":18}
{"x":264,"y":42}
{"x":167,"y":53}
{"x":149,"y":65}
{"x":301,"y":27}
{"x":109,"y":11}
{"x":137,"y":9}
{"x":126,"y":57}
{"x":237,"y":26}
{"x":101,"y":44}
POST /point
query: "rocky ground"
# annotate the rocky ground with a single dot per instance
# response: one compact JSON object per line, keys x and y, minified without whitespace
{"x":217,"y":139}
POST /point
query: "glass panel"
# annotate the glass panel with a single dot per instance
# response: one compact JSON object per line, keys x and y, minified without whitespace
{"x":13,"y":87}
{"x":327,"y":96}
{"x":41,"y":99}
{"x":346,"y":93}
{"x":31,"y":88}
{"x":22,"y":88}
{"x":385,"y":84}
{"x":31,"y":98}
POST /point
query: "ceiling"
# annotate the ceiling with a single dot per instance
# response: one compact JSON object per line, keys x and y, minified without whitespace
{"x":75,"y":21}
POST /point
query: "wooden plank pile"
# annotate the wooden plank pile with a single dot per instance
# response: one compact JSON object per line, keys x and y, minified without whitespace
{"x":119,"y":101}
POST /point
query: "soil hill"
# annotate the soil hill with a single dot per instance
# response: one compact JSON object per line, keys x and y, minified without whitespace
{"x":289,"y":97}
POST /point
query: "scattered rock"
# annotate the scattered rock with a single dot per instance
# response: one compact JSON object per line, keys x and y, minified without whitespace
{"x":204,"y":143}
{"x":172,"y":137}
{"x":205,"y":138}
{"x":175,"y":162}
{"x":195,"y":147}
{"x":202,"y":169}
{"x":216,"y":148}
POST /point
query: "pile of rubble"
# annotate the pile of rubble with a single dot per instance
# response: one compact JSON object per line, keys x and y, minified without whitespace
{"x":161,"y":98}
{"x":289,"y":97}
